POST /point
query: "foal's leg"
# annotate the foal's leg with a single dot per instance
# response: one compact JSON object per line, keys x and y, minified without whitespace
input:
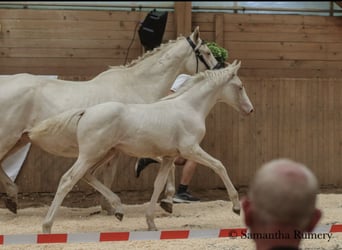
{"x":68,"y":180}
{"x":167,"y":202}
{"x":108,"y":172}
{"x":159,"y":184}
{"x":111,"y":197}
{"x":199,"y":155}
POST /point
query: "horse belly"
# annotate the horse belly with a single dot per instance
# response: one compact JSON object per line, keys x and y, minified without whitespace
{"x":58,"y":147}
{"x":147,"y":148}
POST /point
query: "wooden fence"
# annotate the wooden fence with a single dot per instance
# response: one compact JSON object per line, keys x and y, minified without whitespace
{"x":291,"y":66}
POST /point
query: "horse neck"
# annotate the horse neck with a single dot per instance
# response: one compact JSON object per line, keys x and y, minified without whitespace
{"x":202,"y":97}
{"x":156,"y":73}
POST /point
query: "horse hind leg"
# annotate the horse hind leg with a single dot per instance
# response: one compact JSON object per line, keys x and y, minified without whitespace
{"x":112,"y":198}
{"x":167,"y":203}
{"x":11,"y":198}
{"x":108,"y":172}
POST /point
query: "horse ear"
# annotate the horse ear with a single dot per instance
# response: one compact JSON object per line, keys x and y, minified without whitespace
{"x":236,"y":67}
{"x":195,"y":35}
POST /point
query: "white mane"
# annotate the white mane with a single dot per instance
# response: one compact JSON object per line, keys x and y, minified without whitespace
{"x":210,"y":77}
{"x":148,"y":53}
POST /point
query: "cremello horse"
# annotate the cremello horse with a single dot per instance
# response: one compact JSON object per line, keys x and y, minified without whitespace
{"x":171,"y":127}
{"x":26,"y":99}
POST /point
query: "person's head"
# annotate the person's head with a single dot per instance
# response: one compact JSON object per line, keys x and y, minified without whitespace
{"x":282,"y":195}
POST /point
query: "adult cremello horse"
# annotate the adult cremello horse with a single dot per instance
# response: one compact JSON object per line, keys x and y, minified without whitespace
{"x":27,"y":99}
{"x":171,"y":127}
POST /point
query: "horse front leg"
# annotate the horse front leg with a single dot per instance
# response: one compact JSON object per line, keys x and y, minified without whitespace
{"x":197,"y":154}
{"x":68,"y":180}
{"x":159,"y":184}
{"x":167,"y":202}
{"x":78,"y":170}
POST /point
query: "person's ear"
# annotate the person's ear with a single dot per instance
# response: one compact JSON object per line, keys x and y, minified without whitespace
{"x":314,"y":220}
{"x":247,"y":210}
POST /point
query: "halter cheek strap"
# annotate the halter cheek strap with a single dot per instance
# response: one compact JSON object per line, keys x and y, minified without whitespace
{"x":199,"y":55}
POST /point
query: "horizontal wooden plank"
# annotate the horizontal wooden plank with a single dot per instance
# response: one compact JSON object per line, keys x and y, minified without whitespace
{"x":59,"y":66}
{"x":290,"y":64}
{"x":317,"y":47}
{"x":282,"y":28}
{"x":57,"y":62}
{"x":282,"y":19}
{"x":68,"y":53}
{"x":20,"y":24}
{"x":60,"y":70}
{"x":282,"y":37}
{"x":79,"y":15}
{"x":79,"y":34}
{"x":271,"y":28}
{"x":290,"y":73}
{"x":268,"y":18}
{"x":286,"y":55}
{"x":68,"y":43}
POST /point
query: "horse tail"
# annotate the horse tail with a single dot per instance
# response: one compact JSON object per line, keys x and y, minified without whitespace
{"x":57,"y":131}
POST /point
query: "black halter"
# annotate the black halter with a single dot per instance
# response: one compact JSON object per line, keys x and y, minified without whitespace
{"x":200,"y":56}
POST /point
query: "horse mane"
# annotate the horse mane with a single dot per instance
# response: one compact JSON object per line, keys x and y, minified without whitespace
{"x":212,"y":77}
{"x":148,"y":53}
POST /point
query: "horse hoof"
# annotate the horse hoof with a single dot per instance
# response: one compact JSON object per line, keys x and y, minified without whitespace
{"x":119,"y":216}
{"x":237,"y":210}
{"x":166,"y":206}
{"x":11,"y":205}
{"x":152,"y":229}
{"x":46,"y":229}
{"x":110,"y":212}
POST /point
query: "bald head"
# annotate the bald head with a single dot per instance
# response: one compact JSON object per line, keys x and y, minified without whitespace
{"x":284,"y":191}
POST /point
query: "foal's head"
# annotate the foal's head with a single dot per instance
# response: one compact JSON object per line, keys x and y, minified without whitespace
{"x":233,"y":91}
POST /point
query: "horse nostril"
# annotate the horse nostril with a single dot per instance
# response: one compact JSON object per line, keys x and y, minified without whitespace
{"x":251,"y":111}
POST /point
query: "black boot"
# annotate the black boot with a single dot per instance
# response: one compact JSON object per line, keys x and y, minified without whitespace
{"x":141,"y":164}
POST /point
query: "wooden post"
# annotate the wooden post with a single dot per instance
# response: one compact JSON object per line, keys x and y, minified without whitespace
{"x":182,"y":18}
{"x":219,"y":29}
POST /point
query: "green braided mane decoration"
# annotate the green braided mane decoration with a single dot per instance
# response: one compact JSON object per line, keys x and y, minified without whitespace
{"x":221,"y":54}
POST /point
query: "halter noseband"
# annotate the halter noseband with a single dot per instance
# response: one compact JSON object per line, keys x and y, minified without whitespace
{"x":200,"y":56}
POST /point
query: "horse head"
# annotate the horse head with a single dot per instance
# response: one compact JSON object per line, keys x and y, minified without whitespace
{"x":202,"y":58}
{"x":234,"y":92}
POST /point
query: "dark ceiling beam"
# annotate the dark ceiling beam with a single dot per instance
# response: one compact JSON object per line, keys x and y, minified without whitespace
{"x":339,"y":3}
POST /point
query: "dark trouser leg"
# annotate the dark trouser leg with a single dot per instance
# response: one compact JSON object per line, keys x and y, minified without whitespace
{"x":142,"y":164}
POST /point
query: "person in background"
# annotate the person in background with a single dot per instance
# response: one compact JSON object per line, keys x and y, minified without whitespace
{"x":281,"y":205}
{"x":189,"y":167}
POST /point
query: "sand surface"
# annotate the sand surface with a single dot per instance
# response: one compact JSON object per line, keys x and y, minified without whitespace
{"x":207,"y":214}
